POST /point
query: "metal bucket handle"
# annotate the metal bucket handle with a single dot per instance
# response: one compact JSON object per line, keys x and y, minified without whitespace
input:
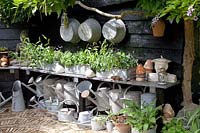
{"x":126,"y":90}
{"x":77,"y":108}
{"x":100,"y":85}
{"x":118,"y":85}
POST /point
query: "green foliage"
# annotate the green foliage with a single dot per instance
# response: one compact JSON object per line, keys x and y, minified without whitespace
{"x":143,"y":118}
{"x":8,"y":13}
{"x":15,"y":11}
{"x":100,"y":59}
{"x":36,"y":54}
{"x":3,"y":49}
{"x":176,"y":10}
{"x":151,"y":7}
{"x":67,"y":59}
{"x":174,"y":126}
{"x":193,"y":123}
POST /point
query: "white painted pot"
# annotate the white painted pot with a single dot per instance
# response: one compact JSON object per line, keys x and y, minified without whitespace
{"x":90,"y":30}
{"x":161,"y":63}
{"x":133,"y":130}
{"x":97,"y":124}
{"x":70,"y":33}
{"x":114,"y":30}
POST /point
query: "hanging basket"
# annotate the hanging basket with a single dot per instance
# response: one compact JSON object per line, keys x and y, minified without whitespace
{"x":158,"y":28}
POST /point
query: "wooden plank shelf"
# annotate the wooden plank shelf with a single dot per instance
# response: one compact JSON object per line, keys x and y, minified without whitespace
{"x":132,"y":82}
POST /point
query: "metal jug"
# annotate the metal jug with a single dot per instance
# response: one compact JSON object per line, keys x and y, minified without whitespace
{"x":71,"y":93}
{"x":17,"y":97}
{"x":132,"y":95}
{"x":115,"y":98}
{"x":85,"y":88}
{"x":68,"y":114}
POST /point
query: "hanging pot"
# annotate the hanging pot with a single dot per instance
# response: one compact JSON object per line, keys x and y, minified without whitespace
{"x":158,"y":28}
{"x":90,"y":30}
{"x":69,"y":33}
{"x":114,"y":30}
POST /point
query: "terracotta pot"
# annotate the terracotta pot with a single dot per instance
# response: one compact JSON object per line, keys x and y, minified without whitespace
{"x":4,"y":61}
{"x":122,"y":127}
{"x":140,"y":73}
{"x":158,"y":28}
{"x":148,"y":66}
{"x":140,"y":69}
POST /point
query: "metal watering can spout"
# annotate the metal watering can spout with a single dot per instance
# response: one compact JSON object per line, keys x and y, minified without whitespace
{"x":39,"y":90}
{"x":85,"y":88}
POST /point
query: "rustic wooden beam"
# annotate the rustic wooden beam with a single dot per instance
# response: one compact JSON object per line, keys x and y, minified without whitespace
{"x":122,"y":14}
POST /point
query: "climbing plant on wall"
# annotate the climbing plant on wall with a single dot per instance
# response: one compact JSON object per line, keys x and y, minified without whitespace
{"x":14,"y":11}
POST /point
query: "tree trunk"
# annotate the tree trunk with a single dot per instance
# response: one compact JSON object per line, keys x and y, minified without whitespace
{"x":188,"y":59}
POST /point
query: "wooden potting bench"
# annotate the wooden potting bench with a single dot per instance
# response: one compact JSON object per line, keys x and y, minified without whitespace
{"x":154,"y":87}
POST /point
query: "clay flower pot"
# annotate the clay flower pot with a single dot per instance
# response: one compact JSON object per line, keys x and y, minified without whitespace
{"x":148,"y":66}
{"x":122,"y":127}
{"x":158,"y":28}
{"x":140,"y":73}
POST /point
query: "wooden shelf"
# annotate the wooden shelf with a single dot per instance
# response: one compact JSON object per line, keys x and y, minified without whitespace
{"x":134,"y":83}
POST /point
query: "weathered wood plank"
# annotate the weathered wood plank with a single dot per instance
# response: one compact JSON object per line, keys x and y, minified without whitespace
{"x":10,"y":44}
{"x":5,"y":86}
{"x":6,"y":76}
{"x":139,"y":27}
{"x":148,"y":41}
{"x":10,"y":33}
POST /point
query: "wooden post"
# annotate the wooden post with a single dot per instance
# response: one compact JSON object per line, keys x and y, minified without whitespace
{"x":188,"y":59}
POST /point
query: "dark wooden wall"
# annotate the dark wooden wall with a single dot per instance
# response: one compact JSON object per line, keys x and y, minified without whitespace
{"x":9,"y":36}
{"x":138,"y":38}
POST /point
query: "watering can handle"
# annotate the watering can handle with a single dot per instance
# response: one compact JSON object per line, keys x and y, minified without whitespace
{"x":99,"y":86}
{"x":70,"y":101}
{"x":119,"y":86}
{"x":126,"y":90}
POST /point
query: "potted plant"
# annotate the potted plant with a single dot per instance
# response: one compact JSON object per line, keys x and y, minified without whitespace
{"x":98,"y":122}
{"x":67,"y":61}
{"x":119,"y":121}
{"x":152,"y":8}
{"x":141,"y":119}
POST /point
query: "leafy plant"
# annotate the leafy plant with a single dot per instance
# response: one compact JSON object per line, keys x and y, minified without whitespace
{"x":104,"y":58}
{"x":174,"y":126}
{"x":67,"y":59}
{"x":176,"y":10}
{"x":3,"y":49}
{"x":15,"y":11}
{"x":8,"y":13}
{"x":151,"y":7}
{"x":141,"y":119}
{"x":100,"y":119}
{"x":193,"y":123}
{"x":36,"y":54}
{"x":43,"y":6}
